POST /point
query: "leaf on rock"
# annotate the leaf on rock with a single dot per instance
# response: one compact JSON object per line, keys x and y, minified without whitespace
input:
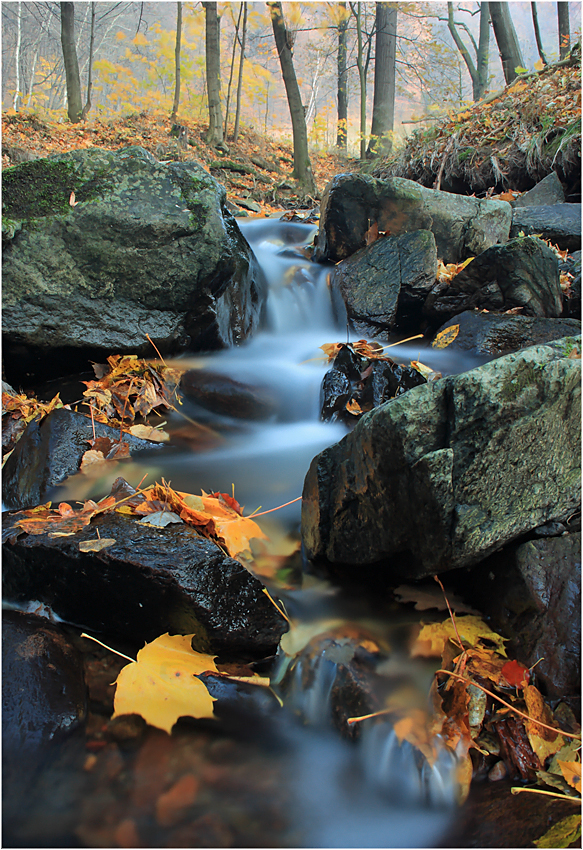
{"x":331,"y":349}
{"x":148,"y":432}
{"x":544,"y":742}
{"x":162,"y":685}
{"x":426,"y":598}
{"x":160,"y":519}
{"x":446,"y":337}
{"x":561,"y":834}
{"x":42,"y":519}
{"x":96,"y":545}
{"x":432,"y":638}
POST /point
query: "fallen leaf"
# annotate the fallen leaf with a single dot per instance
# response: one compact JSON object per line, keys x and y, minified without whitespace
{"x":160,"y":519}
{"x":516,"y":674}
{"x":561,"y":834}
{"x":354,"y":407}
{"x":162,"y":684}
{"x":572,"y":772}
{"x":422,"y":369}
{"x":432,"y":638}
{"x":446,"y":337}
{"x":544,"y":742}
{"x":148,"y":432}
{"x":426,"y":598}
{"x":96,"y":545}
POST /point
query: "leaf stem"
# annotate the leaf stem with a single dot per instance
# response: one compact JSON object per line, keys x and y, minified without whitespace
{"x":279,"y":507}
{"x":83,"y":634}
{"x":516,"y":790}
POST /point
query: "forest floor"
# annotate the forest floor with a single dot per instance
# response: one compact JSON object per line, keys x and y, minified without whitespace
{"x":256,"y":171}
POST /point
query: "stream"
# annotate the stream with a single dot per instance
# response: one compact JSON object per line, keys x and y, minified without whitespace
{"x":375,"y":792}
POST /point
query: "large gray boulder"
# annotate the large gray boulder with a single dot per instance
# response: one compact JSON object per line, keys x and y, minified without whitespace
{"x":449,"y":472}
{"x":353,"y":203}
{"x":388,"y":282}
{"x":103,"y":248}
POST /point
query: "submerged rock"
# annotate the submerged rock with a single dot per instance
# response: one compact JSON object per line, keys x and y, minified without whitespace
{"x":352,"y":204}
{"x":450,"y":471}
{"x":497,"y":334}
{"x":115,"y":246}
{"x":147,"y":582}
{"x":225,"y":396}
{"x":50,"y":450}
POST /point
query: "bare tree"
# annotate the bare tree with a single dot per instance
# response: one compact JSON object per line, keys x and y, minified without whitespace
{"x":177,"y":61}
{"x":506,"y":39}
{"x":383,"y":110}
{"x":302,"y":166}
{"x":214,"y":134}
{"x":87,"y":106}
{"x":240,"y":79}
{"x":74,"y":105}
{"x":478,"y":70}
{"x":537,"y":36}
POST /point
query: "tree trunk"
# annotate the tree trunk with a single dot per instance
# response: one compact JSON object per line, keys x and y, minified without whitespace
{"x":342,"y":125}
{"x":537,"y":35}
{"x":302,"y":167}
{"x":240,"y":80}
{"x":506,"y":39}
{"x":214,"y":135}
{"x":17,"y":57}
{"x":564,"y":29}
{"x":74,"y":105}
{"x":176,"y":103}
{"x":383,"y":110}
{"x":361,"y":76}
{"x":87,"y":106}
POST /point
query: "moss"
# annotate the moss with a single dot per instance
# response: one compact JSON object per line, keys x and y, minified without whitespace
{"x":528,"y":376}
{"x":43,"y":187}
{"x":569,"y":345}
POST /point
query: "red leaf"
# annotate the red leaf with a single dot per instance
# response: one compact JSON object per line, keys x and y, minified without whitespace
{"x":516,"y":674}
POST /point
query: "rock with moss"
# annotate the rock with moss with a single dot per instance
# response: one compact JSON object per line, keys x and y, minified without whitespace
{"x":451,"y":471}
{"x":357,"y":207}
{"x":107,"y":248}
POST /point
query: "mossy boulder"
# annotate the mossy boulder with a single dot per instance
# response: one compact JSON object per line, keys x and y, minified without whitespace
{"x":102,"y":249}
{"x":449,"y":472}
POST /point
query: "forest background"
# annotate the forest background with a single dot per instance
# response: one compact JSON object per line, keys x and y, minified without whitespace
{"x":133,"y":68}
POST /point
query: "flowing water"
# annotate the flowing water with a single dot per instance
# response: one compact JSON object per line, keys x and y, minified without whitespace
{"x":376,"y":792}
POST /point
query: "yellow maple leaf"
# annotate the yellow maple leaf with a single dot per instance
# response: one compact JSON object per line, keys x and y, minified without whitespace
{"x":432,"y":638}
{"x":162,"y":685}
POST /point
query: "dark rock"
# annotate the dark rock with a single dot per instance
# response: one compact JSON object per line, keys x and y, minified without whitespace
{"x":497,"y":334}
{"x":572,"y":300}
{"x":43,"y":715}
{"x":449,"y":472}
{"x":551,"y":570}
{"x":560,"y":223}
{"x":147,"y":248}
{"x":336,"y":391}
{"x":225,"y":396}
{"x":51,"y":450}
{"x":522,"y":273}
{"x":462,"y":226}
{"x":548,"y":191}
{"x":150,"y":581}
{"x":387,"y":281}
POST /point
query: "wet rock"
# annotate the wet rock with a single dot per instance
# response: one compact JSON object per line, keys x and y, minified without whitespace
{"x":387,"y":283}
{"x":43,"y":713}
{"x":449,"y":472}
{"x":146,"y":248}
{"x":336,"y":392}
{"x":560,"y":223}
{"x":225,"y":396}
{"x":522,"y":273}
{"x":572,"y":299}
{"x":497,"y":334}
{"x":548,"y":191}
{"x":462,"y":226}
{"x":150,"y":581}
{"x":50,"y":450}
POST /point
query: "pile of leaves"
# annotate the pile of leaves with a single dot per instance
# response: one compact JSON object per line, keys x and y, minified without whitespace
{"x":256,"y":168}
{"x":17,"y":412}
{"x":217,"y":516}
{"x":508,"y":141}
{"x":485,"y":708}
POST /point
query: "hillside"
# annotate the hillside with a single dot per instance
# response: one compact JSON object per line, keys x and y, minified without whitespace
{"x":255,"y":171}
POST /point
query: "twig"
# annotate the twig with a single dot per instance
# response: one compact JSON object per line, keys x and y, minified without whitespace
{"x":450,"y":613}
{"x":299,"y":499}
{"x":108,"y":647}
{"x":511,"y":707}
{"x":155,"y":349}
{"x":272,"y":600}
{"x":516,"y":790}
